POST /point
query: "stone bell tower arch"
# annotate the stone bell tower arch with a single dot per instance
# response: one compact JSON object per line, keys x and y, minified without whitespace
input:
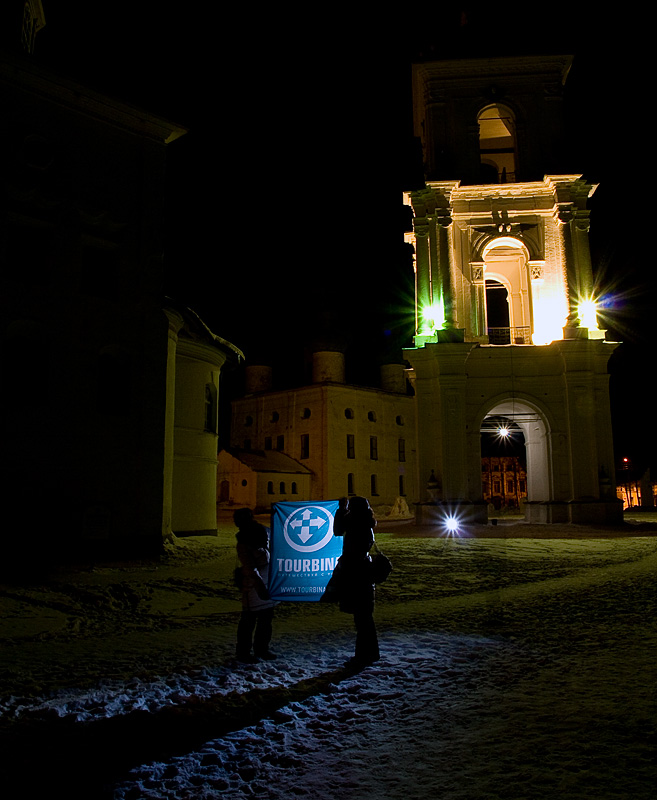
{"x":505,"y":304}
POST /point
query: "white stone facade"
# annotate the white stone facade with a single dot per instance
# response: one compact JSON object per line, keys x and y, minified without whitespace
{"x":537,"y":357}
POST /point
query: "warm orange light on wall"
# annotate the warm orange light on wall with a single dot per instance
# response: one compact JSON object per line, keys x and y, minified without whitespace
{"x":550,"y":312}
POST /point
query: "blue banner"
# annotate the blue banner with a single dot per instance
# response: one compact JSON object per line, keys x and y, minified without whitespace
{"x":304,"y":550}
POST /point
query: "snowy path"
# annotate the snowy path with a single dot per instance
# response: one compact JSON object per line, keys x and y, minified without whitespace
{"x":511,"y":669}
{"x":566,"y":715}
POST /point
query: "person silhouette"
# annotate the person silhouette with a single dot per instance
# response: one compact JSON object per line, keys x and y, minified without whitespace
{"x":355,"y":522}
{"x":254,"y":630}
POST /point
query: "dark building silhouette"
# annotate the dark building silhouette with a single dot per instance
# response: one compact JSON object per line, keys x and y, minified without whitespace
{"x":103,"y":378}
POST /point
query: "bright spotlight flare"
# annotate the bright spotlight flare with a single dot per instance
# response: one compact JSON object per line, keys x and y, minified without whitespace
{"x":433,"y":317}
{"x":588,"y":310}
{"x":503,"y":431}
{"x":452,"y":524}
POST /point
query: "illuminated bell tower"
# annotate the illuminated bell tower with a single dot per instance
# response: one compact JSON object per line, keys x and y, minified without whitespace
{"x":506,"y":324}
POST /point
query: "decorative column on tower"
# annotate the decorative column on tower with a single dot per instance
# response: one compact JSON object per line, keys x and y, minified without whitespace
{"x":423,"y":275}
{"x":478,"y":298}
{"x":573,"y":219}
{"x":445,"y":284}
{"x":563,"y":217}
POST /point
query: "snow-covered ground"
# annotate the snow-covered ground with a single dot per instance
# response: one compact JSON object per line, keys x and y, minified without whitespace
{"x":513,"y":666}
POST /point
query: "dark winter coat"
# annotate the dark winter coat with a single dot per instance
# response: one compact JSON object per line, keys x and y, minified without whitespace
{"x":353,"y":572}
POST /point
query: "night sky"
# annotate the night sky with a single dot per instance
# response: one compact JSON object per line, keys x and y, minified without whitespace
{"x":284,"y":216}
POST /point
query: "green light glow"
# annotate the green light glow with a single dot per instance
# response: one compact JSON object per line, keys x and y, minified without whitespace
{"x":433,"y":317}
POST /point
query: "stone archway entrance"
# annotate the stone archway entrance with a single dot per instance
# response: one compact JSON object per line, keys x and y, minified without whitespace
{"x":535,"y":431}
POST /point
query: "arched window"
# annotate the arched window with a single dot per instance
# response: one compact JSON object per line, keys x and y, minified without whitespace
{"x":374,"y":484}
{"x":497,"y":144}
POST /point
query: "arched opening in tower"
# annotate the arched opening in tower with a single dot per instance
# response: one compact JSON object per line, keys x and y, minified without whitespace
{"x":527,"y":441}
{"x":503,"y":463}
{"x":508,"y":292}
{"x":497,"y":144}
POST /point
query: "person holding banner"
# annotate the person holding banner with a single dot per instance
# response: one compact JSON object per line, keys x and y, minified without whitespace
{"x":354,"y":520}
{"x":255,"y":626}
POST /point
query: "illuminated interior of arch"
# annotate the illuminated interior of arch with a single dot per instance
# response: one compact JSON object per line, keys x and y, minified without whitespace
{"x":497,"y":144}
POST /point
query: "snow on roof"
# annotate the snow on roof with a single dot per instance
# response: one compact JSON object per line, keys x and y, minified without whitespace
{"x":269,"y":461}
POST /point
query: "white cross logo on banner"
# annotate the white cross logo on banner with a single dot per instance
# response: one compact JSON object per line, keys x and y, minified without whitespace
{"x":303,"y":525}
{"x":306,"y":522}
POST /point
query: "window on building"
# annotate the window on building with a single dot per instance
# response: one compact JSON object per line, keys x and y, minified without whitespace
{"x":280,"y":442}
{"x":305,"y":445}
{"x":399,"y":420}
{"x":247,"y":444}
{"x":401,"y":449}
{"x":294,"y":488}
{"x":351,"y":484}
{"x":281,"y":488}
{"x":509,"y":487}
{"x":210,"y":422}
{"x":305,"y":414}
{"x":371,"y":415}
{"x":270,"y":487}
{"x":402,"y":486}
{"x":349,"y":413}
{"x":267,"y":442}
{"x":351,"y":446}
{"x":275,"y":416}
{"x":374,"y":485}
{"x":374,"y":448}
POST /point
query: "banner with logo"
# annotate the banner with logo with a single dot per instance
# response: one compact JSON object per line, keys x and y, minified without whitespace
{"x":304,"y":550}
